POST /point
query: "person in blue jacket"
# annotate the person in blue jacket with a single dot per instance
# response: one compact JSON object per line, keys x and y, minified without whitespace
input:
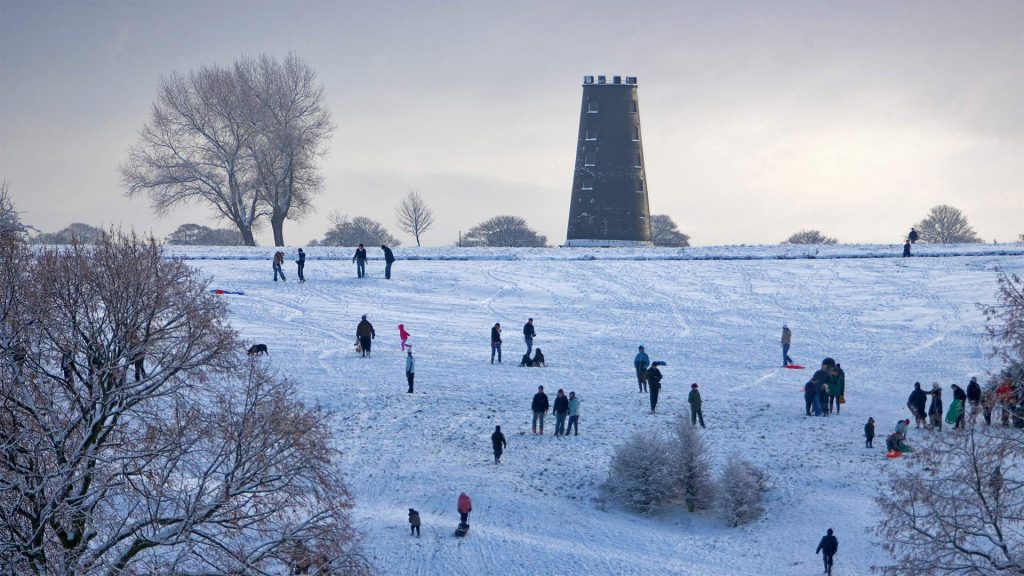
{"x":640,"y":363}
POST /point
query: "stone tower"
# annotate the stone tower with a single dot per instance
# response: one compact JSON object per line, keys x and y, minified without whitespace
{"x":609,"y":186}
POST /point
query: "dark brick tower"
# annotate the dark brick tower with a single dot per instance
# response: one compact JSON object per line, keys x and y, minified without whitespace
{"x":609,"y":186}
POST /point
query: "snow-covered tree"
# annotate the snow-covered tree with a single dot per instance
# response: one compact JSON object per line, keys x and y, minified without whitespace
{"x":1005,"y":318}
{"x":414,"y":216}
{"x":809,"y":237}
{"x":691,"y":458}
{"x":665,"y":232}
{"x":74,"y":233}
{"x":641,"y":477}
{"x":945,"y":224}
{"x":505,"y":230}
{"x":137,"y":438}
{"x":359,"y":230}
{"x":11,"y":227}
{"x":199,"y":235}
{"x":741,"y":491}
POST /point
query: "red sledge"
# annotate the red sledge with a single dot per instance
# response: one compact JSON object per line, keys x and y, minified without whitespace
{"x":794,"y":367}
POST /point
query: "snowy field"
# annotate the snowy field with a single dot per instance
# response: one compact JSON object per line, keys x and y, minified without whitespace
{"x":888,"y":321}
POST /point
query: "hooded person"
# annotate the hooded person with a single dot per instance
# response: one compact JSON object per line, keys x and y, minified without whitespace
{"x":869,"y":432}
{"x":464,"y":506}
{"x":935,"y":408}
{"x":828,"y":546}
{"x":498,"y":444}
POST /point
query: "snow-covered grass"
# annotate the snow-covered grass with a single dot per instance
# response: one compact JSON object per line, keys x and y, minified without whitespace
{"x":889,"y":322}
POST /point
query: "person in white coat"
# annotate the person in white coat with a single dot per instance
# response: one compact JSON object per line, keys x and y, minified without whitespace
{"x":410,"y":368}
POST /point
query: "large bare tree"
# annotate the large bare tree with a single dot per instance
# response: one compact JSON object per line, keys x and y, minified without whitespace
{"x":136,"y":438}
{"x":945,"y":224}
{"x":11,"y":227}
{"x":414,"y":216}
{"x":292,"y":127}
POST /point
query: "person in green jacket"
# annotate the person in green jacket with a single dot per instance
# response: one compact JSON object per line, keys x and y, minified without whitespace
{"x":836,"y":388}
{"x":695,"y":402}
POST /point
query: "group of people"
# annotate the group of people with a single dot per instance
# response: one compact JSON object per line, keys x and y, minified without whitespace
{"x":911,"y":238}
{"x":278,"y":264}
{"x":564,"y":407}
{"x":359,"y":259}
{"x":825,"y":392}
{"x":648,"y":379}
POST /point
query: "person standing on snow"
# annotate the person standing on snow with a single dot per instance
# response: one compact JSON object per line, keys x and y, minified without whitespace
{"x":360,"y":259}
{"x":906,"y":249}
{"x":828,"y":546}
{"x":403,"y":336}
{"x":301,"y":263}
{"x":810,"y":393}
{"x":974,"y":395}
{"x":561,"y":409}
{"x":916,"y":402}
{"x":935,"y":408}
{"x":787,"y":339}
{"x":278,"y":262}
{"x":496,"y":341}
{"x":640,"y":364}
{"x":410,"y":369}
{"x":389,"y":259}
{"x":498,"y":444}
{"x":529,"y":334}
{"x":836,"y":387}
{"x":365,"y":334}
{"x":959,"y":394}
{"x":869,"y":432}
{"x":465,"y":506}
{"x":912,"y":237}
{"x":574,"y":414}
{"x":539,"y":406}
{"x":695,"y":402}
{"x":654,"y":383}
{"x":414,"y":523}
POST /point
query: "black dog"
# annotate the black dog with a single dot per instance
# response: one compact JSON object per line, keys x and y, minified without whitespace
{"x":258,"y":349}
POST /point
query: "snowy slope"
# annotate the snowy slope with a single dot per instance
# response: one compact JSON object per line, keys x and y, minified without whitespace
{"x":888,"y":321}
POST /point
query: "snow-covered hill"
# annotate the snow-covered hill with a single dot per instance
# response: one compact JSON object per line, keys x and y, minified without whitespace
{"x":888,"y":321}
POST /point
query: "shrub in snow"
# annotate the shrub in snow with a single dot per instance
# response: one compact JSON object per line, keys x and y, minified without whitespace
{"x":741,"y":491}
{"x":691,"y":462}
{"x":641,"y":476}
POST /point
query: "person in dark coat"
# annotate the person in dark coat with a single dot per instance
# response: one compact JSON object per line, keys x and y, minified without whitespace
{"x":540,"y":409}
{"x":410,"y":369}
{"x":529,"y":334}
{"x":869,"y":432}
{"x":498,"y":444}
{"x":640,"y":364}
{"x":538,"y":359}
{"x":654,"y":383}
{"x":906,"y":249}
{"x":828,"y":546}
{"x":959,"y":394}
{"x":301,"y":262}
{"x":414,"y":523}
{"x":360,"y":259}
{"x":496,"y":341}
{"x":810,"y":393}
{"x":973,"y":395}
{"x":695,"y":405}
{"x":912,"y":237}
{"x":561,"y":410}
{"x":916,"y":402}
{"x":389,"y":259}
{"x":526,"y":361}
{"x":365,"y":334}
{"x":935,"y":408}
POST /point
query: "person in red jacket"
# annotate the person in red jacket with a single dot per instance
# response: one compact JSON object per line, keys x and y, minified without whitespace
{"x":403,"y":335}
{"x":1004,"y":399}
{"x":465,"y":507}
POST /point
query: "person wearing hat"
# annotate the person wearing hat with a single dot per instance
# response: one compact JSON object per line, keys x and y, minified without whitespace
{"x":828,"y":547}
{"x":640,"y":364}
{"x":654,"y":383}
{"x":574,"y":414}
{"x":365,"y":334}
{"x":935,"y":408}
{"x":414,"y":523}
{"x":498,"y":444}
{"x":694,"y":400}
{"x":787,"y":339}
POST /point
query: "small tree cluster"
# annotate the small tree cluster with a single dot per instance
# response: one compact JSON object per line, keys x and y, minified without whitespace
{"x":504,"y":231}
{"x":809,"y":237}
{"x":945,"y":224}
{"x":665,"y":232}
{"x":742,"y":487}
{"x":352,"y":232}
{"x":76,"y":233}
{"x":199,"y":235}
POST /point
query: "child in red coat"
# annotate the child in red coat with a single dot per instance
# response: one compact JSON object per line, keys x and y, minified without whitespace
{"x":404,"y":336}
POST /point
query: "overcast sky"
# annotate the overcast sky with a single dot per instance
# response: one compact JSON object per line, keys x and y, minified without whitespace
{"x":759,"y":118}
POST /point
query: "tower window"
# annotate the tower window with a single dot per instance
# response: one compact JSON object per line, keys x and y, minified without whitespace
{"x":588,"y":183}
{"x":589,"y":158}
{"x":591,"y":133}
{"x":592,"y":107}
{"x":638,"y":161}
{"x":636,"y":133}
{"x":632,"y":106}
{"x":639,"y":185}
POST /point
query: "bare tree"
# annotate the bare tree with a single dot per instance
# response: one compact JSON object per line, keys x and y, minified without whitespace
{"x":76,"y":232}
{"x":359,"y":230}
{"x":503,"y":230}
{"x":641,"y":477}
{"x":809,"y":237}
{"x":414,"y":216}
{"x":741,"y":491}
{"x":199,"y":235}
{"x":11,"y":227}
{"x":292,"y":126}
{"x":665,"y":232}
{"x":136,"y":438}
{"x":1005,"y":319}
{"x":945,"y":224}
{"x":691,"y":457}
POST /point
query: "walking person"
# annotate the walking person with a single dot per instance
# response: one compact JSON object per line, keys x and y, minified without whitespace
{"x":498,"y":444}
{"x":787,"y":339}
{"x":301,"y":263}
{"x":640,"y":364}
{"x":539,"y":406}
{"x":912,"y":237}
{"x":278,"y":262}
{"x":496,"y":341}
{"x":695,"y":402}
{"x":574,"y":415}
{"x":365,"y":335}
{"x":465,"y":506}
{"x":410,"y":369}
{"x":654,"y":383}
{"x":529,"y":334}
{"x":414,"y":523}
{"x":389,"y":259}
{"x":958,"y":396}
{"x":404,"y":337}
{"x":828,"y":546}
{"x":869,"y":432}
{"x":561,"y":410}
{"x":360,"y":259}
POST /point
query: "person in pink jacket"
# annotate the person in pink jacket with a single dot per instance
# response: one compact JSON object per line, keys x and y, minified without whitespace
{"x":465,"y":507}
{"x":403,"y":335}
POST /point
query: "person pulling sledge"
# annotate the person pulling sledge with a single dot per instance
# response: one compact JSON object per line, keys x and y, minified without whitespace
{"x":787,"y":339}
